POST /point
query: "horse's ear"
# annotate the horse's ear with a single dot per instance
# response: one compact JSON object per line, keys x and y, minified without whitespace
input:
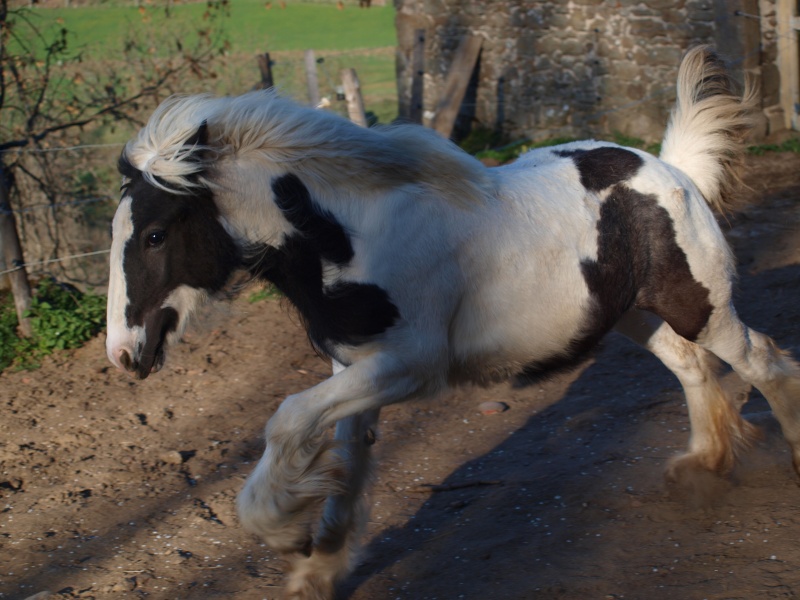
{"x":200,"y":137}
{"x":197,"y":145}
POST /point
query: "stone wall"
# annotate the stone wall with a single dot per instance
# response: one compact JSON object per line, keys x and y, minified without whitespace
{"x":573,"y":68}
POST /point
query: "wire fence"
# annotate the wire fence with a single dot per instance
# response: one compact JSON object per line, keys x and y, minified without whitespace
{"x":65,"y":235}
{"x":50,"y":261}
{"x":291,"y":69}
{"x":54,"y":205}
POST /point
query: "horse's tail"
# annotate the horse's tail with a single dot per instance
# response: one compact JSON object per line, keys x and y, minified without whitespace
{"x":706,"y":131}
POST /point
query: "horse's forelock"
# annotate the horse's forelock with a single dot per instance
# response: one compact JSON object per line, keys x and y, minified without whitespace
{"x":172,"y":151}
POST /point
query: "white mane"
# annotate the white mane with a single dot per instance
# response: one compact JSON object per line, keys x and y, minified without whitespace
{"x":312,"y":143}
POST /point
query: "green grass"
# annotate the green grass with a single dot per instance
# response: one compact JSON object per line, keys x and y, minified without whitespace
{"x":634,"y":142}
{"x":349,"y":38}
{"x":250,"y":27}
{"x":790,"y":145}
{"x":512,"y":151}
{"x":265,"y":292}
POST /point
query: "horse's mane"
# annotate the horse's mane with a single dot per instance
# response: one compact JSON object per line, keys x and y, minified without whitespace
{"x":313,"y":144}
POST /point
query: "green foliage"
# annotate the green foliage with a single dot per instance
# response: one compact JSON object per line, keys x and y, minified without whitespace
{"x":8,"y":332}
{"x":481,"y":139}
{"x":266,"y":292}
{"x":505,"y":153}
{"x":61,"y":318}
{"x":88,"y":187}
{"x":634,"y":142}
{"x":512,"y":151}
{"x":790,"y":145}
{"x":85,"y":183}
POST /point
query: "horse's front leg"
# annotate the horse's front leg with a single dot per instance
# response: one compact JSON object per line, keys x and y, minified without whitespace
{"x":300,"y":467}
{"x":339,"y":536}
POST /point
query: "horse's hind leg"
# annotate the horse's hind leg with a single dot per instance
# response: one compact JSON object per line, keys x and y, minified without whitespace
{"x":338,"y":539}
{"x":718,"y":431}
{"x":759,"y":361}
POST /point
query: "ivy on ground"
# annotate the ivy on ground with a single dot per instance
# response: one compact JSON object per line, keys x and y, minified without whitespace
{"x":61,"y":316}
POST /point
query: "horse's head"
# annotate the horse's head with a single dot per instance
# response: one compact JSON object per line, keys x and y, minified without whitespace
{"x":169,"y":252}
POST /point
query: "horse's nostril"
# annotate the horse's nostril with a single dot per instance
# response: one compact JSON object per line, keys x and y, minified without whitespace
{"x":125,"y":360}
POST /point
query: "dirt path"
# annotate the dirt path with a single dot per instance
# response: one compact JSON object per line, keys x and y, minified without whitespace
{"x":111,"y":488}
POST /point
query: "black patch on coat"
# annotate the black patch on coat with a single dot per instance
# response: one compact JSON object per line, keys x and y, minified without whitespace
{"x":639,"y":265}
{"x":196,"y":250}
{"x":346,"y":312}
{"x":319,"y":228}
{"x":573,"y":355}
{"x":601,"y":168}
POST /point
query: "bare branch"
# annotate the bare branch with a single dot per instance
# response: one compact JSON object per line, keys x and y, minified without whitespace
{"x":37,"y":101}
{"x":48,"y":95}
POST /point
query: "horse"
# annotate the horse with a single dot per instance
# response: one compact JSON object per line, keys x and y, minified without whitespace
{"x":415,"y":268}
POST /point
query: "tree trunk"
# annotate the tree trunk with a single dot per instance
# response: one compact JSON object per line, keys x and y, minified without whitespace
{"x":12,"y":252}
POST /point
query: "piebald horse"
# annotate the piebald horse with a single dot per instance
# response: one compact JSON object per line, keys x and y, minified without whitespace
{"x":415,"y":268}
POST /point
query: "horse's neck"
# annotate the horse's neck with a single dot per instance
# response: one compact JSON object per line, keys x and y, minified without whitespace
{"x":259,"y":210}
{"x":245,"y":201}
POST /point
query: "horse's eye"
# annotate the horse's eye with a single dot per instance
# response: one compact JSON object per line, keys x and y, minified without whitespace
{"x":156,"y":238}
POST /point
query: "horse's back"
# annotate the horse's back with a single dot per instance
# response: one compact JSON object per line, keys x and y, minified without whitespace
{"x":576,"y":238}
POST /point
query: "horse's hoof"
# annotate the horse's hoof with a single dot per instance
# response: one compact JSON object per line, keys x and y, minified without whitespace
{"x":691,"y":481}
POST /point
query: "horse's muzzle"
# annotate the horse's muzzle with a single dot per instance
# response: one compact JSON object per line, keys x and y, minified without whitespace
{"x":141,"y":367}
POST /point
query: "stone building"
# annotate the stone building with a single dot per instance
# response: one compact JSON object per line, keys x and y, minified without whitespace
{"x":582,"y":68}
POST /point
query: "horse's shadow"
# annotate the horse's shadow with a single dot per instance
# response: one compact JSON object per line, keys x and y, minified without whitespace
{"x":545,"y":505}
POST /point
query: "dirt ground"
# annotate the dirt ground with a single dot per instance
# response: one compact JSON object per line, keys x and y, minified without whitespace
{"x":112,"y":488}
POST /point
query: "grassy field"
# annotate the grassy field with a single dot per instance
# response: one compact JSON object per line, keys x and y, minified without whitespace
{"x":250,"y":26}
{"x":349,"y":38}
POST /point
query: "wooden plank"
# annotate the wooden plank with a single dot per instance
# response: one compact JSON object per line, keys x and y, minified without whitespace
{"x":352,"y":94}
{"x":311,"y":78}
{"x":455,"y":85}
{"x":12,"y":252}
{"x":265,"y":66}
{"x":788,"y":62}
{"x":417,"y":77}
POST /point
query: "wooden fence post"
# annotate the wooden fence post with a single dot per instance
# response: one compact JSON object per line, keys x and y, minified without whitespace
{"x":265,"y":66}
{"x":788,"y":25}
{"x":5,"y":282}
{"x":417,"y":77}
{"x":455,"y":85}
{"x":311,"y":77}
{"x":12,"y":252}
{"x":352,"y":94}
